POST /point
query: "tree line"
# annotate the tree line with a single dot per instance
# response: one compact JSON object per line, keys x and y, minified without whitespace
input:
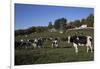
{"x":63,"y":24}
{"x":59,"y":24}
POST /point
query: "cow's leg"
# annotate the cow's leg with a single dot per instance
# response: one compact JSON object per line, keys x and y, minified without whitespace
{"x":76,"y":48}
{"x":52,"y":45}
{"x":42,"y":46}
{"x":39,"y":46}
{"x":26,"y":46}
{"x":91,"y":48}
{"x":89,"y":45}
{"x":68,"y":39}
{"x":87,"y":49}
{"x":34,"y":45}
{"x":56,"y":45}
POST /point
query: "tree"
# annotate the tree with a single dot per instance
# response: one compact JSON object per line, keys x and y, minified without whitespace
{"x":90,"y":20}
{"x":77,"y":23}
{"x":50,"y":26}
{"x":83,"y":21}
{"x":31,"y":30}
{"x":41,"y":29}
{"x":60,"y":23}
{"x":20,"y":32}
{"x":70,"y":25}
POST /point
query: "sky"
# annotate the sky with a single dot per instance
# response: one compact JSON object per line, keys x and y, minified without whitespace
{"x":28,"y":15}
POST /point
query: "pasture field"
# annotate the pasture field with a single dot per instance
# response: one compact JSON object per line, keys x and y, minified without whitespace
{"x":65,"y":52}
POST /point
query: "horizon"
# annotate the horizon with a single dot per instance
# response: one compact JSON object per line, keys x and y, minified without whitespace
{"x":28,"y":15}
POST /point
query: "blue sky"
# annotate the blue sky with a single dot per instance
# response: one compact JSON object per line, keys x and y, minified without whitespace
{"x":28,"y":15}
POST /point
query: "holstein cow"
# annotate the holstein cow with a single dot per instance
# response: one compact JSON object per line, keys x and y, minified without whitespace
{"x":81,"y":41}
{"x":55,"y":43}
{"x":18,"y":44}
{"x":35,"y":43}
{"x":25,"y":44}
{"x":22,"y":44}
{"x":32,"y":41}
{"x":40,"y":43}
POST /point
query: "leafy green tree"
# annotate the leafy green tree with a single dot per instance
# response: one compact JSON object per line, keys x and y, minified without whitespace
{"x":77,"y":23}
{"x":41,"y":29}
{"x":90,"y":20}
{"x":60,"y":23}
{"x":31,"y":30}
{"x":70,"y":25}
{"x":50,"y":26}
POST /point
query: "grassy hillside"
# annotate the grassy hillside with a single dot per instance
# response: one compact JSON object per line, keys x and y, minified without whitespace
{"x":65,"y":52}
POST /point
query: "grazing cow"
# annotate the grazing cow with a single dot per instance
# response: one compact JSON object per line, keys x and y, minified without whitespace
{"x":55,"y":43}
{"x":40,"y":43}
{"x":35,"y":43}
{"x":17,"y":44}
{"x":32,"y":41}
{"x":80,"y":41}
{"x":27,"y":44}
{"x":21,"y":40}
{"x":22,"y":44}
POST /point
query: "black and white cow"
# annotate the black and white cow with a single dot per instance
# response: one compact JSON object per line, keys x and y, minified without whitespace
{"x":18,"y":44}
{"x":55,"y":43}
{"x":37,"y":42}
{"x":81,"y":41}
{"x":40,"y":43}
{"x":22,"y":44}
{"x":33,"y":42}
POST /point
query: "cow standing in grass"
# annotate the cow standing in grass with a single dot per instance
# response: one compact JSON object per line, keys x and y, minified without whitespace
{"x":22,"y":44}
{"x":37,"y":42}
{"x":33,"y":42}
{"x":40,"y":43}
{"x":55,"y":43}
{"x":80,"y":41}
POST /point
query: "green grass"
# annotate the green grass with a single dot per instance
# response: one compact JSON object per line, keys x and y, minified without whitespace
{"x":51,"y":55}
{"x":57,"y":34}
{"x":65,"y":52}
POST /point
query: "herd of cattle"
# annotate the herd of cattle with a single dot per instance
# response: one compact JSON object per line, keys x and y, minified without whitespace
{"x":35,"y":43}
{"x":39,"y":42}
